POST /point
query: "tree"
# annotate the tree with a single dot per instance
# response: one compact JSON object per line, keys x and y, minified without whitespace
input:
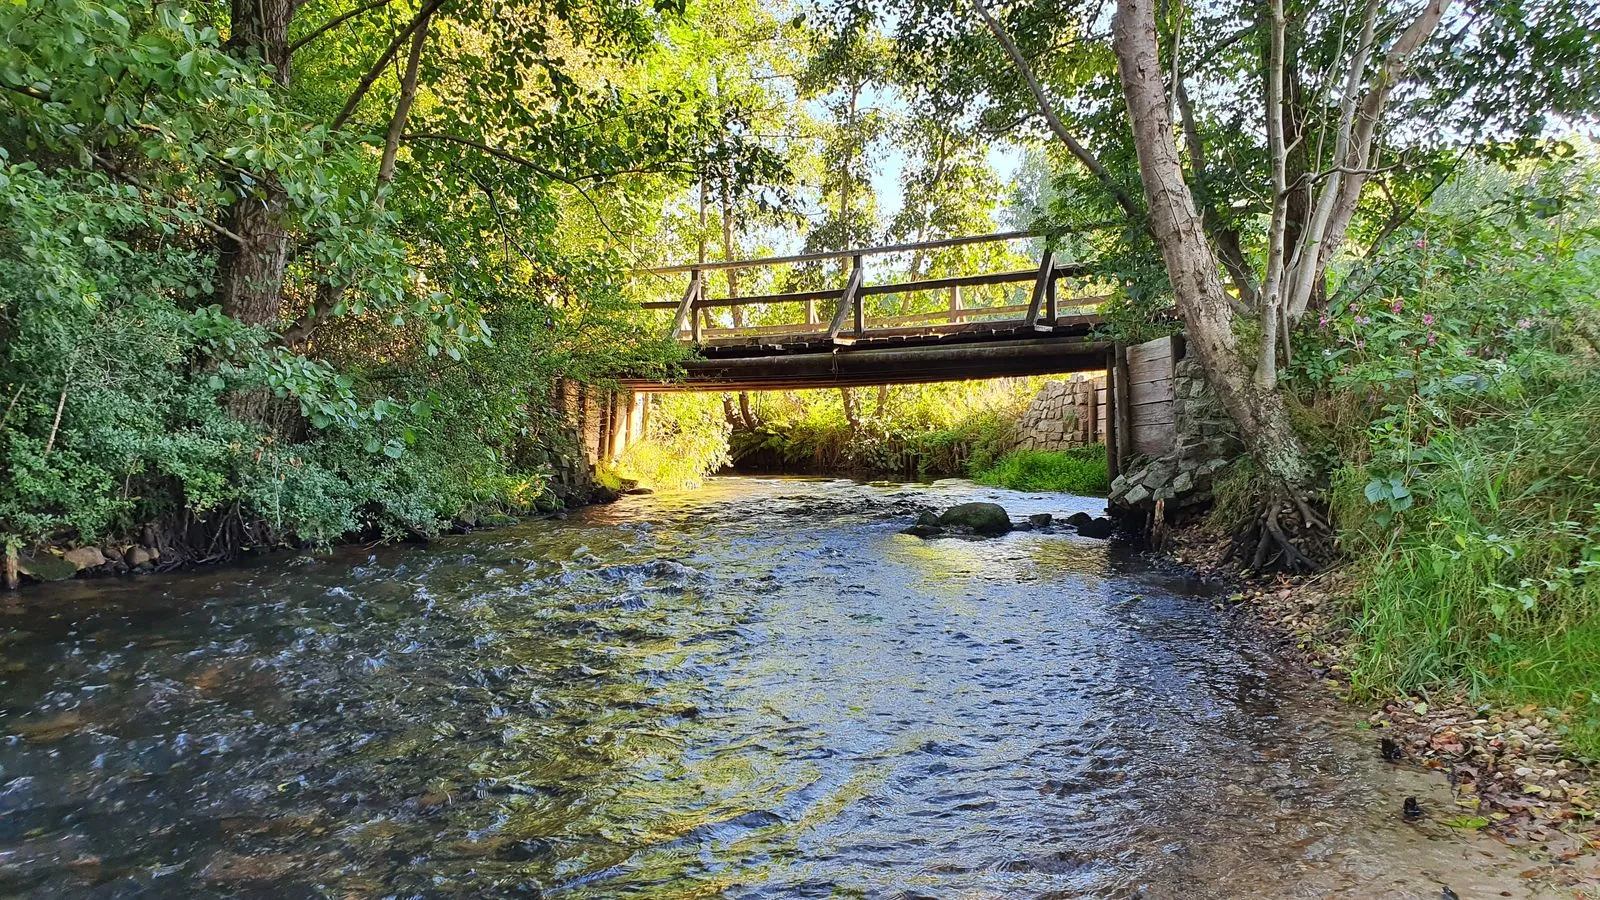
{"x":1263,"y":174}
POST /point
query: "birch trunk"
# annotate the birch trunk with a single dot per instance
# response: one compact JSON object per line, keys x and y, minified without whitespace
{"x":1259,"y":414}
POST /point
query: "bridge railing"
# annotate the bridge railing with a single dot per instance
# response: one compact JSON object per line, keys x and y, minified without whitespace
{"x":850,"y":320}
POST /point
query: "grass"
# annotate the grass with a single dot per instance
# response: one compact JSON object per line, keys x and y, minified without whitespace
{"x":1081,"y":470}
{"x":1491,"y":582}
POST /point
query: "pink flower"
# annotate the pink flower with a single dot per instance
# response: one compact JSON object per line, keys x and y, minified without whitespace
{"x":1422,"y":243}
{"x":1363,"y":320}
{"x":1397,"y":306}
{"x":1524,"y":323}
{"x":1360,"y":343}
{"x":1432,"y":338}
{"x":1427,"y":319}
{"x":1323,"y":320}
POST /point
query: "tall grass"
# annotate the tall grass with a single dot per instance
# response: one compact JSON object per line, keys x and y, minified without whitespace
{"x":1491,"y":580}
{"x":1081,"y":470}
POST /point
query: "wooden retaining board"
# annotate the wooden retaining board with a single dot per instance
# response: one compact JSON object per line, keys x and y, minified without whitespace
{"x":1151,"y":396}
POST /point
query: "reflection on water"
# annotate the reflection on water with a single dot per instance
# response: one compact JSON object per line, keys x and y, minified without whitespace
{"x":756,"y":690}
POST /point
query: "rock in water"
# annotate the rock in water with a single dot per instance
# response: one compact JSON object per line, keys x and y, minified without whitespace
{"x":1079,"y":519}
{"x":982,"y":518}
{"x":1041,"y":520}
{"x":45,"y":567}
{"x":923,"y":530}
{"x":1097,"y":528}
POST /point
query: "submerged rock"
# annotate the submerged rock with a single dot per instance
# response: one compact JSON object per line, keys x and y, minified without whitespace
{"x":981,"y":518}
{"x":1041,"y":520}
{"x":923,"y":530}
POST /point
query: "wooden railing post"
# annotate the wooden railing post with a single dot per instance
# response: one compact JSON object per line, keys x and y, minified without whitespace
{"x":849,"y":302}
{"x":686,"y":308}
{"x":1041,"y":287}
{"x":1113,"y":460}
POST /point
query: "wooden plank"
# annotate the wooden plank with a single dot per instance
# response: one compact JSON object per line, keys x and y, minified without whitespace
{"x":945,"y":315}
{"x":763,"y":299}
{"x":1124,"y":409}
{"x":1151,"y":414}
{"x":1154,"y":439}
{"x":1001,"y":331}
{"x":1041,"y":286}
{"x":686,"y":306}
{"x":1113,"y":445}
{"x":1145,"y":391}
{"x":847,"y":301}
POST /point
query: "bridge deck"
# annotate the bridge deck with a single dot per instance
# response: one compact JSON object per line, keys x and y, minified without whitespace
{"x":955,"y":343}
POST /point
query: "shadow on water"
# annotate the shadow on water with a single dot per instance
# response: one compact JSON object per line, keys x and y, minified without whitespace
{"x":759,"y":689}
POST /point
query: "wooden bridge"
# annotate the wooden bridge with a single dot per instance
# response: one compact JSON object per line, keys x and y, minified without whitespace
{"x":1052,"y":332}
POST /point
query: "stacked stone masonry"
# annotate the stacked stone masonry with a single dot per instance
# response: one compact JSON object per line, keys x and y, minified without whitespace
{"x":1064,"y":414}
{"x":1204,"y":443}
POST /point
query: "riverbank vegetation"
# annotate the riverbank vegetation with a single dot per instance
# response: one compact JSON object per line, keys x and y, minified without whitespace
{"x":1081,"y":470}
{"x":1456,"y":380}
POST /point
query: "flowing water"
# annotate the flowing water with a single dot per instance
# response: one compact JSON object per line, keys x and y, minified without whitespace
{"x":759,"y":689}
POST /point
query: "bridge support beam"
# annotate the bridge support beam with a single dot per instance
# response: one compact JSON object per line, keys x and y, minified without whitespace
{"x":862,"y":367}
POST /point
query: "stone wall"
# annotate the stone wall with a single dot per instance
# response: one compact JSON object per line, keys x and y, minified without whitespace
{"x":1204,"y":442}
{"x":1064,"y":414}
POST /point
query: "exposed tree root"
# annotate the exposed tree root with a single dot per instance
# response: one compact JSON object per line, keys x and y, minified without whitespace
{"x":1289,"y":534}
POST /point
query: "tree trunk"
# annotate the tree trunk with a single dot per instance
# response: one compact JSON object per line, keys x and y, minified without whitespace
{"x":1259,"y":413}
{"x":252,"y":272}
{"x":737,"y":314}
{"x":851,"y":416}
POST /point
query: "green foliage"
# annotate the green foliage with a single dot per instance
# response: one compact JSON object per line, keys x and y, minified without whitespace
{"x":914,"y":431}
{"x":688,"y":440}
{"x":1466,"y":398}
{"x":1081,"y":470}
{"x":439,"y":309}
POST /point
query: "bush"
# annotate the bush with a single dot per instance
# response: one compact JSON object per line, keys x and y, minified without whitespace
{"x":688,"y":440}
{"x":1081,"y":470}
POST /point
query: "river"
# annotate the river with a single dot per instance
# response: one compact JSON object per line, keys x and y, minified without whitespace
{"x":757,"y":689}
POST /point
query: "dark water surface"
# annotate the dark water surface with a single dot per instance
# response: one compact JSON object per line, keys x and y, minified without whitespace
{"x":759,"y":689}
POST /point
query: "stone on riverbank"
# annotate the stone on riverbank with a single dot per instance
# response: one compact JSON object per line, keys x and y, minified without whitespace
{"x":1097,"y":528}
{"x":85,"y":558}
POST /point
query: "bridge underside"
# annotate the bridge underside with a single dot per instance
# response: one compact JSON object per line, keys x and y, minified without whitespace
{"x":891,"y":356}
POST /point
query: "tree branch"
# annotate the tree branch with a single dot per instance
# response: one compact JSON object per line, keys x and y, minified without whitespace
{"x":1367,"y":117}
{"x":402,"y":107}
{"x":1047,"y":109}
{"x":382,"y":62}
{"x":335,"y":22}
{"x":123,"y":174}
